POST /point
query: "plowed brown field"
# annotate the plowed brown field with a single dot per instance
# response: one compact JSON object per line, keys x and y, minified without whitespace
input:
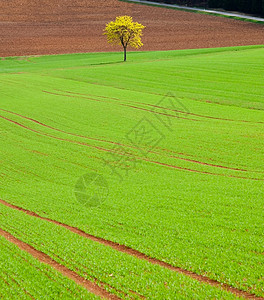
{"x":31,"y":27}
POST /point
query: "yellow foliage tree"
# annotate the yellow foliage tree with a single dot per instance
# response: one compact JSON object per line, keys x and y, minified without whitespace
{"x":123,"y":31}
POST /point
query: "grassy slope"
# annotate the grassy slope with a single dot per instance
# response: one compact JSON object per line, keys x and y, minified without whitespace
{"x":119,"y":273}
{"x":208,"y":223}
{"x":23,"y":277}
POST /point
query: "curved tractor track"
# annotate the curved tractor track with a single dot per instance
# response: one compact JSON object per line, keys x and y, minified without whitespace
{"x":121,"y":248}
{"x":52,"y":27}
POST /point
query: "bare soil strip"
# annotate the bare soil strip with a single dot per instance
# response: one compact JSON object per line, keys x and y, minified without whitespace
{"x":52,"y":27}
{"x":90,"y":286}
{"x":132,"y":252}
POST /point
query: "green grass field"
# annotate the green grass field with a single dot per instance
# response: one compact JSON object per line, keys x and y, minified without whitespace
{"x":23,"y":277}
{"x":170,"y":146}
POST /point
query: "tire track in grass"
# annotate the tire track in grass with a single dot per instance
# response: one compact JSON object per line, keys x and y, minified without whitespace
{"x":200,"y":172}
{"x":166,"y":108}
{"x":204,"y":163}
{"x":119,"y":144}
{"x":202,"y":116}
{"x":54,"y":137}
{"x":103,"y":284}
{"x":214,"y":165}
{"x":44,"y":258}
{"x":45,"y":272}
{"x":139,"y":255}
{"x":63,"y":131}
{"x":137,"y":157}
{"x":122,"y":104}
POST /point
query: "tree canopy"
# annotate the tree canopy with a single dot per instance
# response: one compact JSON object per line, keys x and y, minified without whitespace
{"x":123,"y":31}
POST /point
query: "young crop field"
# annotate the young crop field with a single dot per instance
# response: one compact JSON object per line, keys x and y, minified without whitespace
{"x":136,"y":180}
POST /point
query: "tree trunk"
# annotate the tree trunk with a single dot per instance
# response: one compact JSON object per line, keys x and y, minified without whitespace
{"x":124,"y":53}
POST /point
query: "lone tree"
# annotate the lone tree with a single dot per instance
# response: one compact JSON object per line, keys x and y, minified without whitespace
{"x":123,"y":31}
